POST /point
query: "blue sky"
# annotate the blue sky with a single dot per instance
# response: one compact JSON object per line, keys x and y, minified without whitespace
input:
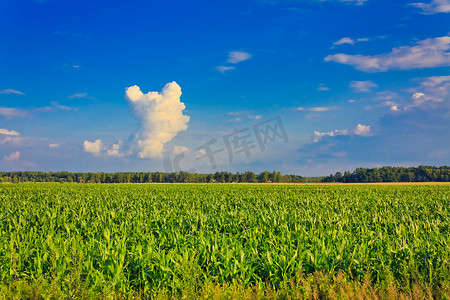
{"x":168,"y":85}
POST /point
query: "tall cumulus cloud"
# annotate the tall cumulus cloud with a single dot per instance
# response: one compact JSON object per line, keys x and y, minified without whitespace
{"x":160,"y":117}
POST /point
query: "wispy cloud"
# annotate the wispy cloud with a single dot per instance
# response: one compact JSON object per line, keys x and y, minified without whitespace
{"x":317,"y":109}
{"x":350,"y":2}
{"x":254,"y":117}
{"x":80,"y":96}
{"x":363,"y":86}
{"x":323,"y":88}
{"x":433,"y":7}
{"x":17,"y":113}
{"x":55,"y":106}
{"x":356,"y":2}
{"x":234,"y":57}
{"x":15,"y":141}
{"x":427,"y":53}
{"x":237,"y":119}
{"x":61,"y":107}
{"x":12,"y":157}
{"x":387,"y":95}
{"x":432,"y":91}
{"x":239,"y":116}
{"x":53,"y":145}
{"x":77,"y":95}
{"x":347,"y":40}
{"x":431,"y":94}
{"x":12,"y":113}
{"x":238,"y":113}
{"x":419,"y":113}
{"x":223,"y":69}
{"x":11,"y":91}
{"x":237,"y":57}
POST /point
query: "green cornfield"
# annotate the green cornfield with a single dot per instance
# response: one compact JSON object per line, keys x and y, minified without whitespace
{"x":223,"y":241}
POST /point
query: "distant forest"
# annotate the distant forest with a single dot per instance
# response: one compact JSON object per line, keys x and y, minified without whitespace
{"x":384,"y":174}
{"x":392,"y":174}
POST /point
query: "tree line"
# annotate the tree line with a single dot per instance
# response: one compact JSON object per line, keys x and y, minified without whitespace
{"x":392,"y":174}
{"x":384,"y":174}
{"x":149,"y":177}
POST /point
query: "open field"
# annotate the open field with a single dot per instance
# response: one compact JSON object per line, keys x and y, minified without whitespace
{"x":274,"y":241}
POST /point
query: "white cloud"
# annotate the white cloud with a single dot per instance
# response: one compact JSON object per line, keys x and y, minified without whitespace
{"x":420,"y":99}
{"x":95,"y":148}
{"x":317,"y":109}
{"x":241,"y":115}
{"x":77,"y":95}
{"x":323,"y":88}
{"x":9,"y":132}
{"x":13,"y":156}
{"x":432,"y":93}
{"x":11,"y":91}
{"x":356,"y":2}
{"x":180,"y":149}
{"x":435,"y":6}
{"x":363,"y":86}
{"x":432,"y":90}
{"x":238,"y":56}
{"x":12,"y":113}
{"x":16,"y":113}
{"x":80,"y":96}
{"x":60,"y":106}
{"x":54,"y":145}
{"x":114,"y":150}
{"x":361,"y":130}
{"x":238,"y":113}
{"x":347,"y":40}
{"x":352,"y":101}
{"x":234,"y":57}
{"x":160,"y":115}
{"x":435,"y":81}
{"x":427,"y":53}
{"x":223,"y":69}
{"x":344,"y":40}
{"x":317,"y":135}
{"x":417,"y":96}
{"x":350,"y":2}
{"x":15,"y":141}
